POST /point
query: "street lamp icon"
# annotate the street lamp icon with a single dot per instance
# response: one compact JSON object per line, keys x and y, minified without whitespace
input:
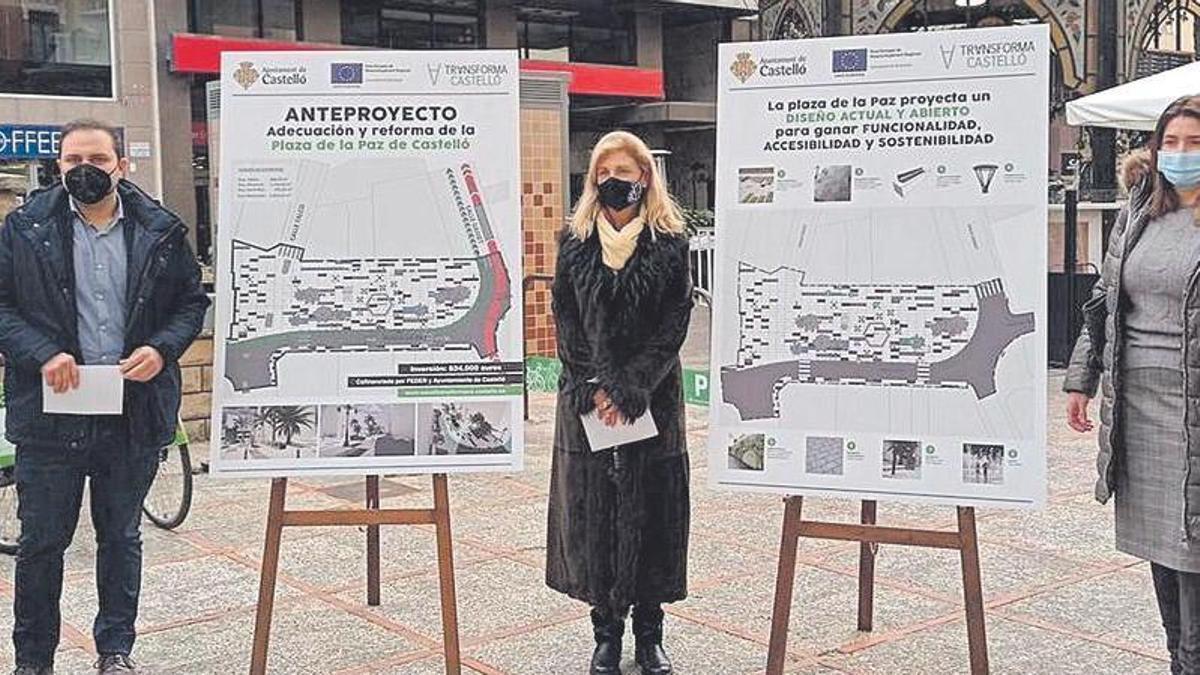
{"x":985,"y":173}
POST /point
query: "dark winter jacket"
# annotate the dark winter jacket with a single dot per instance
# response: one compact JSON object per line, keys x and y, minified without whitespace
{"x":617,"y":534}
{"x":1096,"y":361}
{"x":621,"y":332}
{"x":38,"y":320}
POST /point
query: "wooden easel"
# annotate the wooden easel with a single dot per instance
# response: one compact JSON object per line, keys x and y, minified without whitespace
{"x":372,"y":517}
{"x":870,"y":535}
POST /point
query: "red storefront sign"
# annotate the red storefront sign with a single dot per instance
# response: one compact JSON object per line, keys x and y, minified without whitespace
{"x":192,"y":53}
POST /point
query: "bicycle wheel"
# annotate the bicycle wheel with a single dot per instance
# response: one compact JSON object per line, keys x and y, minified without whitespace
{"x":10,"y":527}
{"x":170,"y":496}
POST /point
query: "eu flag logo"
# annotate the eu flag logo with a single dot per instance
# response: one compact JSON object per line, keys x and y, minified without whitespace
{"x":849,"y":60}
{"x":346,"y":73}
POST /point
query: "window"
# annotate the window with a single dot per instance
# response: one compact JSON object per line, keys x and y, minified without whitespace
{"x":271,"y":19}
{"x":545,"y":40}
{"x":1171,"y":38}
{"x":204,"y":139}
{"x":1173,"y":27}
{"x":56,"y":48}
{"x":602,"y":44}
{"x":588,"y":36}
{"x":412,"y":24}
{"x":545,"y":33}
{"x":793,"y":26}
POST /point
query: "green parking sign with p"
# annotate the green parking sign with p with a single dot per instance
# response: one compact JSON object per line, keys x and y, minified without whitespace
{"x":695,"y":386}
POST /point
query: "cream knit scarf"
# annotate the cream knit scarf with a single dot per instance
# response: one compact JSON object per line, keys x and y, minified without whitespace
{"x":618,"y":245}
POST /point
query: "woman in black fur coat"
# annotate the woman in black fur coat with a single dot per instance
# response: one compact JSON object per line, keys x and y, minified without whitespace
{"x":618,"y":518}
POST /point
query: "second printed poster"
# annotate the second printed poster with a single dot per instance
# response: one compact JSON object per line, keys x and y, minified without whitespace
{"x":879,"y":325}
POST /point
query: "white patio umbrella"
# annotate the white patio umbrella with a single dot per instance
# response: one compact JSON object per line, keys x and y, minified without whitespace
{"x":1135,"y":105}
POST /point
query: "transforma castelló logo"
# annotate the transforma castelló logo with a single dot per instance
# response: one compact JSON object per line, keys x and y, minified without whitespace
{"x":948,"y":55}
{"x":743,"y":66}
{"x":245,"y":75}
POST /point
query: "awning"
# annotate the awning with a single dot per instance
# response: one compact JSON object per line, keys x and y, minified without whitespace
{"x":1138,"y":104}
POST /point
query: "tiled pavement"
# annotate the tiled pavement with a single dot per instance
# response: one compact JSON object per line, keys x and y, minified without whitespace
{"x":1059,"y":598}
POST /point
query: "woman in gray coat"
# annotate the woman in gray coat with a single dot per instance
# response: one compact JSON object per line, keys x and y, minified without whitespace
{"x":1141,"y":346}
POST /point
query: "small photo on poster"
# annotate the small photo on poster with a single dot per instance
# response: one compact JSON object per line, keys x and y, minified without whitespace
{"x":983,"y":464}
{"x":268,"y":432}
{"x":368,"y":430}
{"x":464,"y":428}
{"x":902,"y":460}
{"x":747,"y":451}
{"x":756,"y":185}
{"x":824,"y":455}
{"x":832,"y":183}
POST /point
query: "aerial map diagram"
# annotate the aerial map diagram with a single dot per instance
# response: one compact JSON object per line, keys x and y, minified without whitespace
{"x":406,"y":261}
{"x":853,"y":301}
{"x":914,"y":335}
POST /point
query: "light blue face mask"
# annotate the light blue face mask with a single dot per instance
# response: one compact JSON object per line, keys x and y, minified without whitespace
{"x":1182,"y":169}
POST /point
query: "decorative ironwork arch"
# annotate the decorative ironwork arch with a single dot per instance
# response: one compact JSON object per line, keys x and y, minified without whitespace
{"x":795,"y":20}
{"x":1144,"y":20}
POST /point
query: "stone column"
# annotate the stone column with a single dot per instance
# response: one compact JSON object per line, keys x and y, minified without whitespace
{"x":174,"y":116}
{"x":648,"y":30}
{"x":500,"y":24}
{"x":322,"y":20}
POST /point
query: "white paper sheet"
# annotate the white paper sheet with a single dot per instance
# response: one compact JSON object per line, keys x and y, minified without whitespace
{"x":602,"y":437}
{"x":101,"y":391}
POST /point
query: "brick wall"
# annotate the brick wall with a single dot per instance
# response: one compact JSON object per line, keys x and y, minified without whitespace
{"x":196,"y":367}
{"x":543,"y":212}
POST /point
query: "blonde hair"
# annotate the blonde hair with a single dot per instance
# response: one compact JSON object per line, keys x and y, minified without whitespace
{"x":659,"y":209}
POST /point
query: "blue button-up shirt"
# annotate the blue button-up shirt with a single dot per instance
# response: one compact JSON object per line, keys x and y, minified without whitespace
{"x":100,"y":263}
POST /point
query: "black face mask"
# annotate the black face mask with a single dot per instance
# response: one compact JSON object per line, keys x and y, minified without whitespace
{"x":619,"y":194}
{"x":88,"y":184}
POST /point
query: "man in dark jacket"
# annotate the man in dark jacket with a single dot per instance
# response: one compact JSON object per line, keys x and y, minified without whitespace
{"x":92,"y":272}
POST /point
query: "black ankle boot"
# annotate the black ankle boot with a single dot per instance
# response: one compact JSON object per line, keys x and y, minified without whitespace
{"x":648,"y":633}
{"x":608,"y":629}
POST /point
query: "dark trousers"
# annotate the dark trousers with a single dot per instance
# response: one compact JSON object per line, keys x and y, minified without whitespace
{"x":50,"y":493}
{"x":1179,"y":603}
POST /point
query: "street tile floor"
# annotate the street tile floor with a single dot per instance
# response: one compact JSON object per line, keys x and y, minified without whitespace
{"x":1059,"y":598}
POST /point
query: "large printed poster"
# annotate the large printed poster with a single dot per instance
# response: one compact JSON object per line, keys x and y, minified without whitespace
{"x":880,"y":313}
{"x":368,"y":309}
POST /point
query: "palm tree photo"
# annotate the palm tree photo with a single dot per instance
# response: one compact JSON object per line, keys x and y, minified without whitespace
{"x":291,"y":420}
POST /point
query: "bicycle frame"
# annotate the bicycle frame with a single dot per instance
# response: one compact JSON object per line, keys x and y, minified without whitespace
{"x":8,"y":453}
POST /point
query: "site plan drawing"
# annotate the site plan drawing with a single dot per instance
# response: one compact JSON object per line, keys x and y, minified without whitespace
{"x":902,"y":335}
{"x":286,"y":302}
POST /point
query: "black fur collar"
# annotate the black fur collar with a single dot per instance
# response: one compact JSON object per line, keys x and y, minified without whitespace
{"x":632,"y":293}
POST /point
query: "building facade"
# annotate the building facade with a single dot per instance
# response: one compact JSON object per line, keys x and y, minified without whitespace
{"x":64,"y":59}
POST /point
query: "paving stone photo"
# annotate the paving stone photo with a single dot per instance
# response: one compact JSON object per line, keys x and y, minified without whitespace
{"x":824,"y":455}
